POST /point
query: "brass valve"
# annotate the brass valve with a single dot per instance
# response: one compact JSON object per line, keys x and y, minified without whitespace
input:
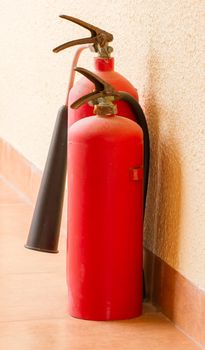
{"x":99,"y":38}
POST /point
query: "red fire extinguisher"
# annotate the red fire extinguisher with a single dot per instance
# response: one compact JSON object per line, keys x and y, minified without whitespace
{"x":103,"y":67}
{"x":105,"y":210}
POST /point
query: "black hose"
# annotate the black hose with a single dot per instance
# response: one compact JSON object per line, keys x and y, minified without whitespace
{"x":141,"y":121}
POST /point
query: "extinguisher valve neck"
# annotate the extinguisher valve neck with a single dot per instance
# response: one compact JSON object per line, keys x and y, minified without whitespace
{"x":105,"y":107}
{"x":105,"y":52}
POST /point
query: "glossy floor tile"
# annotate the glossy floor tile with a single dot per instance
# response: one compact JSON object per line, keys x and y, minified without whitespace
{"x":33,"y":298}
{"x":150,"y":332}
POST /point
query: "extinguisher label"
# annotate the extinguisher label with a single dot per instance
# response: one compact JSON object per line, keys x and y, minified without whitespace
{"x":136,"y":174}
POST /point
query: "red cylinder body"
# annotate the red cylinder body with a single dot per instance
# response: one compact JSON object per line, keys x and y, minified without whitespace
{"x":105,"y":218}
{"x":104,"y":68}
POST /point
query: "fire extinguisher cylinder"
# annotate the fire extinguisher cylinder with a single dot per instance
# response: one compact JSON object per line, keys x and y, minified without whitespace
{"x":105,"y":211}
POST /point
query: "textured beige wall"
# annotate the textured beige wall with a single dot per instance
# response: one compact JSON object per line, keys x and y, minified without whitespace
{"x":159,"y":47}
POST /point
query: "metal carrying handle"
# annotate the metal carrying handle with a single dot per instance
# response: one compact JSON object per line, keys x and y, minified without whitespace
{"x":102,"y":89}
{"x":99,"y":38}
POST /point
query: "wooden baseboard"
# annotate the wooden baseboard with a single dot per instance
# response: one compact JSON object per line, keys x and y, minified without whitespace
{"x":178,"y":298}
{"x":181,"y":301}
{"x":22,"y":174}
{"x":19,"y":171}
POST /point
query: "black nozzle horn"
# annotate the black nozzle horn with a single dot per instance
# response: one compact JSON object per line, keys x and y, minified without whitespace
{"x":45,"y":226}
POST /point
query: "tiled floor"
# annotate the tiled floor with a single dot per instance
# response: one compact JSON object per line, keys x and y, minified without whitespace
{"x":33,"y":298}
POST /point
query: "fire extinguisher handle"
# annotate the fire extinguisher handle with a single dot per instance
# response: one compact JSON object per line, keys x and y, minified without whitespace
{"x":141,"y":121}
{"x":102,"y":89}
{"x":99,"y":38}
